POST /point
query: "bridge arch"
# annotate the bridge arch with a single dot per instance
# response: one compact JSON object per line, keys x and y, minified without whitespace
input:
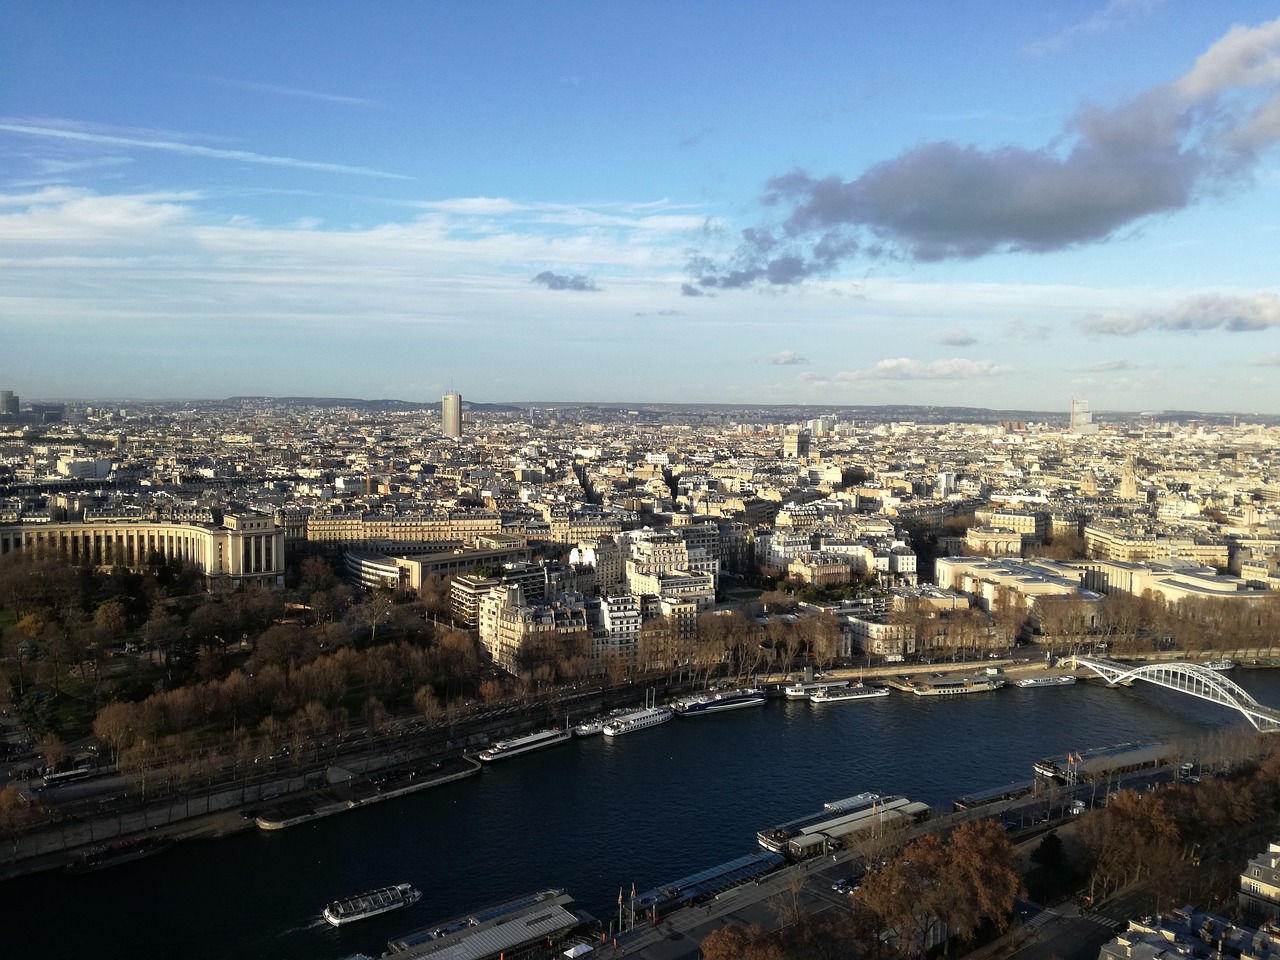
{"x":1194,"y":679}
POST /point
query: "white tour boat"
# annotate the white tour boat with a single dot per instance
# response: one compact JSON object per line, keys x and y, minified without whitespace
{"x":532,"y":741}
{"x":637,"y":720}
{"x":1061,"y":680}
{"x":848,"y":694}
{"x":802,"y":690}
{"x":382,"y":900}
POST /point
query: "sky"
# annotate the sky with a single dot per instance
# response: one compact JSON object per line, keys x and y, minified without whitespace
{"x":996,"y":203}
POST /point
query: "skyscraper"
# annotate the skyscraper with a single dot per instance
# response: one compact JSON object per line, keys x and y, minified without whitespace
{"x":451,"y":415}
{"x":8,"y":402}
{"x":1081,"y":419}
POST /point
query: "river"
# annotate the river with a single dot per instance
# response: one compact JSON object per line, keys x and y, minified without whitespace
{"x":592,"y":815}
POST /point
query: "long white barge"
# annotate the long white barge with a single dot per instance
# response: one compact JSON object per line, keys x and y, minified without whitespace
{"x":502,"y":749}
{"x":956,"y":688}
{"x":802,"y":689}
{"x":1061,"y":680}
{"x":716,"y":701}
{"x":848,"y":694}
{"x":637,"y":720}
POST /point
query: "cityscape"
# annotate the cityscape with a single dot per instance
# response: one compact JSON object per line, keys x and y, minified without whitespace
{"x":685,"y":483}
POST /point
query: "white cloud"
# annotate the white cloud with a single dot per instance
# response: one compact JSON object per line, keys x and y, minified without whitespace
{"x":787,"y":358}
{"x":1115,"y":14}
{"x":80,"y":135}
{"x":292,"y":92}
{"x":905,"y":368}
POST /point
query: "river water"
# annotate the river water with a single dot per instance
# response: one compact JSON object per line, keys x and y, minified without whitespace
{"x":592,"y":815}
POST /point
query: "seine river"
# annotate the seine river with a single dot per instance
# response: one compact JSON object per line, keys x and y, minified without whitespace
{"x":591,"y":815}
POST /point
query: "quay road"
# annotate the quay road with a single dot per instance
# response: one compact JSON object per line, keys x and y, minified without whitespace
{"x":103,"y":808}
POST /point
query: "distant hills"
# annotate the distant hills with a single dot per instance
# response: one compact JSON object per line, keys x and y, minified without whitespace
{"x":744,"y":412}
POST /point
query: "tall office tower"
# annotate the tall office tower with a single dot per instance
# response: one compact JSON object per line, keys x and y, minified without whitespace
{"x":451,"y":415}
{"x":1081,"y":418}
{"x":8,"y":401}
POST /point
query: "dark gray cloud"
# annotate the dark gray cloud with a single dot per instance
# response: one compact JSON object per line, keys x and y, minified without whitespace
{"x":689,"y":290}
{"x":1109,"y":169}
{"x":1212,"y":311}
{"x":956,"y":338}
{"x":559,"y":281}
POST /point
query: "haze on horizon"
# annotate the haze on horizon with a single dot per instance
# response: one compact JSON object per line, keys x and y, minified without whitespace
{"x":882,"y":204}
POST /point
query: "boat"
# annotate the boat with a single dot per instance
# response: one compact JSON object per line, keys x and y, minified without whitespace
{"x":1054,"y":681}
{"x":826,"y":830}
{"x":956,"y":687}
{"x":382,"y":900}
{"x":1104,"y":761}
{"x":532,"y":741}
{"x":637,"y":720}
{"x":1222,"y":666}
{"x":713,"y":701}
{"x":801,"y":689}
{"x":589,"y":728}
{"x":121,"y":851}
{"x":860,"y":692}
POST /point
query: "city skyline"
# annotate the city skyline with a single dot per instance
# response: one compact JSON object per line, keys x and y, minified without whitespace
{"x":842,"y":207}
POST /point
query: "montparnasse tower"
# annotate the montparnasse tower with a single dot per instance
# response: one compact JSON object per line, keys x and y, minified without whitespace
{"x":451,"y":415}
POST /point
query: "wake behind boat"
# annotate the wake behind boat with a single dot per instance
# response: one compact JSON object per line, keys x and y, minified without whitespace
{"x":382,"y":900}
{"x":532,"y":741}
{"x":714,"y":701}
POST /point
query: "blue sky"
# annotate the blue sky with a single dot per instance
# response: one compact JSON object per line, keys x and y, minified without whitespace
{"x":993,"y":203}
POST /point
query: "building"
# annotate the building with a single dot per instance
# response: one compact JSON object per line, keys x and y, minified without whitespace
{"x":451,"y":415}
{"x":521,"y":636}
{"x":1082,"y":419}
{"x":227,"y":547}
{"x":8,"y":402}
{"x":795,"y":445}
{"x":1259,"y":895}
{"x":620,"y":619}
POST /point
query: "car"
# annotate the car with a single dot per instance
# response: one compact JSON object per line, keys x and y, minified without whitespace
{"x":845,"y":886}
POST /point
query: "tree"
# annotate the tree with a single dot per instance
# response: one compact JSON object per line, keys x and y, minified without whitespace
{"x":982,"y":872}
{"x":17,"y":814}
{"x":741,"y":943}
{"x":52,"y":750}
{"x":375,"y":610}
{"x":427,"y":704}
{"x":109,"y":621}
{"x":317,"y":576}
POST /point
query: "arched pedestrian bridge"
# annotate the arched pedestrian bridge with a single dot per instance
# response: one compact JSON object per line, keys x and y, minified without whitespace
{"x":1193,"y":678}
